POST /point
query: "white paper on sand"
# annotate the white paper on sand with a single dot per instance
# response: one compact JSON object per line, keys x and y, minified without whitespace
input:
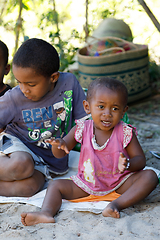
{"x":37,"y":199}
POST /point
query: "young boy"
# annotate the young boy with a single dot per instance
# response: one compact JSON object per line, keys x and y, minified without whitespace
{"x":43,"y":106}
{"x":4,"y":67}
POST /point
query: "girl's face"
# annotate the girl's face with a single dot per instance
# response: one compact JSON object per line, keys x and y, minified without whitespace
{"x":32,"y":85}
{"x":106,"y":108}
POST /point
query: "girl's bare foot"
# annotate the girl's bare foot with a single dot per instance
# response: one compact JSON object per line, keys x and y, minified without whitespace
{"x":111,"y":211}
{"x":32,"y":218}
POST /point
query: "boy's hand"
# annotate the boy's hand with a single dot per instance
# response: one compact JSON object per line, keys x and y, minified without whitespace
{"x":122,"y":163}
{"x":59,"y":143}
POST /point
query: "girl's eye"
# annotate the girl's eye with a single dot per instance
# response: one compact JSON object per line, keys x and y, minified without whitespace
{"x":101,"y":107}
{"x":115,"y":108}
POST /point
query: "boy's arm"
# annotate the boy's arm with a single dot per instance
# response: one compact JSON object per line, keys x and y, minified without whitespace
{"x":1,"y":130}
{"x":62,"y":147}
{"x":137,"y":160}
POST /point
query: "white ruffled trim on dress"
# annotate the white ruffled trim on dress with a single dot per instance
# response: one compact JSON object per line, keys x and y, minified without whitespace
{"x":83,"y":186}
{"x":96,"y":146}
{"x":79,"y":130}
{"x":127,"y":133}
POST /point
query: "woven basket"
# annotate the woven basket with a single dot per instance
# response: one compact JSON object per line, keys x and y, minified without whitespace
{"x":112,"y":27}
{"x":130,"y":67}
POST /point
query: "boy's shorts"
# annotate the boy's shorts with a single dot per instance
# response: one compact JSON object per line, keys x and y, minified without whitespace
{"x":10,"y":144}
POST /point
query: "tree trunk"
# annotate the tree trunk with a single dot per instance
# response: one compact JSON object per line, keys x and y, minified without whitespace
{"x":150,"y":14}
{"x":86,"y":25}
{"x":57,"y":21}
{"x":18,"y":25}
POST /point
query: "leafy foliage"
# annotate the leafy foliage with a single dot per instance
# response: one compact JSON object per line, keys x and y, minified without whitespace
{"x":65,"y":49}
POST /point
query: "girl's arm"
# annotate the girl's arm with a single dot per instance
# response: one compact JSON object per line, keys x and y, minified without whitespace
{"x":137,"y":160}
{"x":62,"y":147}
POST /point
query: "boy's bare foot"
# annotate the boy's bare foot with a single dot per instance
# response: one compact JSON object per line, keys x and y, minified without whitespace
{"x":32,"y":218}
{"x":111,"y":211}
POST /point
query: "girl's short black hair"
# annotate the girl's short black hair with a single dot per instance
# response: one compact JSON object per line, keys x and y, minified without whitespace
{"x":111,"y":83}
{"x":4,"y":51}
{"x":37,"y":54}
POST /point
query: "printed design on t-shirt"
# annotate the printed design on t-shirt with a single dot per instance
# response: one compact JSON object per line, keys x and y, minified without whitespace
{"x":42,"y":123}
{"x":61,"y":116}
{"x":63,"y":110}
{"x":88,"y":171}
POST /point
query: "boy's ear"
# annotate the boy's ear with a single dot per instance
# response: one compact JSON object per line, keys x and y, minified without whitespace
{"x":124,"y":111}
{"x":86,"y":107}
{"x":54,"y":77}
{"x":7,"y":69}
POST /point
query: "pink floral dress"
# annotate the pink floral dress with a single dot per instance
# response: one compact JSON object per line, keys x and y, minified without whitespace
{"x":98,"y":172}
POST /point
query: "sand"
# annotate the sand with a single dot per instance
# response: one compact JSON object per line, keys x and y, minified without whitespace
{"x":140,"y":221}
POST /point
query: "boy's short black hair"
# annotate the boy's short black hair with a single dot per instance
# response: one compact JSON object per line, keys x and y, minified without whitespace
{"x":37,"y":54}
{"x":111,"y":83}
{"x":4,"y":51}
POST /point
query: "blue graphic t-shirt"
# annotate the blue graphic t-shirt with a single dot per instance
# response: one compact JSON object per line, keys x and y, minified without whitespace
{"x":52,"y":116}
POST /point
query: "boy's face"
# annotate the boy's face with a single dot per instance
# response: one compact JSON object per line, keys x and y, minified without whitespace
{"x":32,"y":85}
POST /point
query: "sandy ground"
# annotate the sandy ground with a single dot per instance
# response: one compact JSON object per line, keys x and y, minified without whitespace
{"x":138,"y":222}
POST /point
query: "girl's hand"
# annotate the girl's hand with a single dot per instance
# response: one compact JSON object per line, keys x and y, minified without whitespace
{"x":59,"y":143}
{"x":122,"y":164}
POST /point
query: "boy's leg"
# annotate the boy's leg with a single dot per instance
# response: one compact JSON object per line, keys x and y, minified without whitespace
{"x":18,"y":176}
{"x":57,"y":190}
{"x":135,"y":188}
{"x":16,"y":166}
{"x":23,"y":188}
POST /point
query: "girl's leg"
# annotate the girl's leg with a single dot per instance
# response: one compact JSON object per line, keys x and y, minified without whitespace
{"x":57,"y":190}
{"x":135,"y":188}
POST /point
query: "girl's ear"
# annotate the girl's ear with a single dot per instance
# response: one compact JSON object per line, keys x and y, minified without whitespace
{"x":86,"y":107}
{"x":124,"y":111}
{"x":54,"y":77}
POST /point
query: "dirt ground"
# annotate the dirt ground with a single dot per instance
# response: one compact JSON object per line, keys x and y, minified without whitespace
{"x":145,"y":116}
